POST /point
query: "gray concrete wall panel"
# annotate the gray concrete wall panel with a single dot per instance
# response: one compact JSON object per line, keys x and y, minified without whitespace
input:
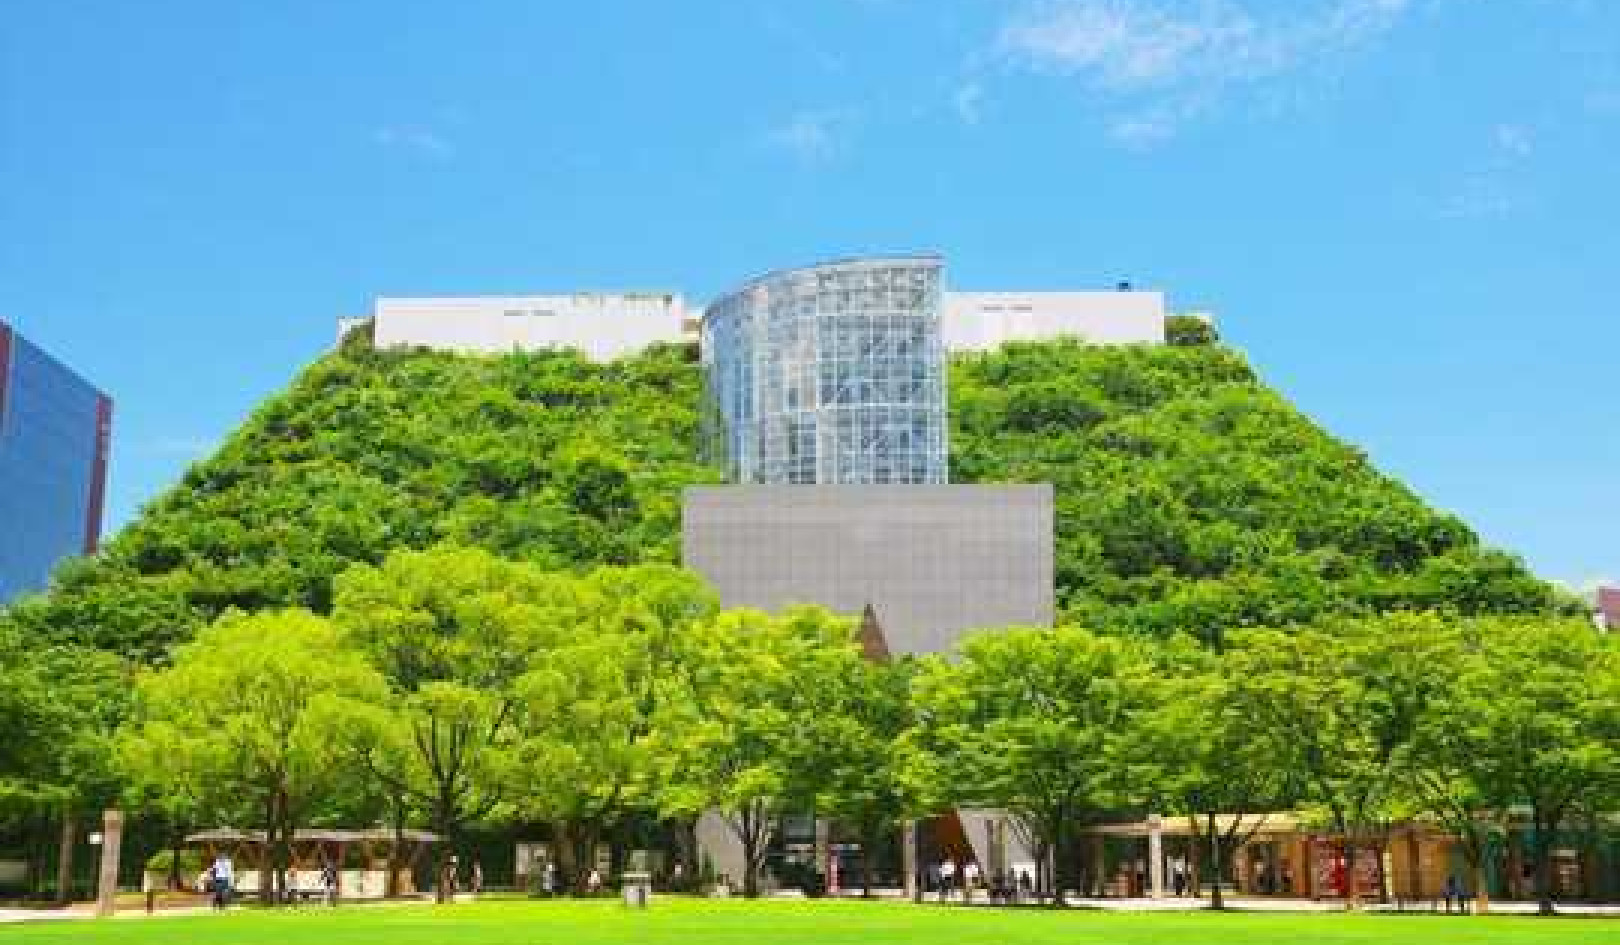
{"x":934,"y":561}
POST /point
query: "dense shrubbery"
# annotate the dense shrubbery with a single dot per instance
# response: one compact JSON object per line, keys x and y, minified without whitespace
{"x":1189,"y":494}
{"x":543,"y":457}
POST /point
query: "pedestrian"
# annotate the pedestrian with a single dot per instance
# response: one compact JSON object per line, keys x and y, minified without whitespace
{"x":593,"y":881}
{"x":947,"y":878}
{"x":329,"y":881}
{"x":1026,"y":884}
{"x":677,"y":878}
{"x":1178,"y":881}
{"x":477,"y":880}
{"x":223,"y":875}
{"x":970,"y":879}
{"x":1453,"y":890}
{"x":549,"y":882}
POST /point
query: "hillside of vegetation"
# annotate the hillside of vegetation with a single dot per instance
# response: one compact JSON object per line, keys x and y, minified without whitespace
{"x":1189,"y":494}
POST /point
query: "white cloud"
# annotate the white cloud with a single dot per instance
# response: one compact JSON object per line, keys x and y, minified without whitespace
{"x":1492,"y":185}
{"x":414,"y":138}
{"x":1157,"y":63}
{"x":1145,"y":129}
{"x":810,"y":136}
{"x":1479,"y":197}
{"x":968,"y":100}
{"x":1512,"y":139}
{"x":1605,"y":101}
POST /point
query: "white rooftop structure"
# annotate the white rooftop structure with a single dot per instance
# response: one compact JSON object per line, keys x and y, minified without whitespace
{"x":608,"y":325}
{"x":981,"y":321}
{"x":603,"y":326}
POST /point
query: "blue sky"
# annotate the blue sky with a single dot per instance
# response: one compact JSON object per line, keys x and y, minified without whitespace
{"x":1405,"y":211}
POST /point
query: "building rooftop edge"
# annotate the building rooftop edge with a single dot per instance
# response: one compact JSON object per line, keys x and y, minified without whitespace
{"x":66,"y":368}
{"x":872,"y":259}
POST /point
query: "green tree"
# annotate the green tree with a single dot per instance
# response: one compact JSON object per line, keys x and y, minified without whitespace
{"x":1345,"y":701}
{"x":865,"y":712}
{"x":1189,"y":330}
{"x":589,"y":705}
{"x":453,"y":630}
{"x":1206,"y":760}
{"x":249,"y":720}
{"x":1535,"y":721}
{"x":1034,"y":722}
{"x":738,"y":736}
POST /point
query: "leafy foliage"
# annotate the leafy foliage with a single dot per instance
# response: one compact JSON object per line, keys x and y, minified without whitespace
{"x":1192,"y":497}
{"x":543,"y":457}
{"x":1189,"y":495}
{"x":1035,"y":722}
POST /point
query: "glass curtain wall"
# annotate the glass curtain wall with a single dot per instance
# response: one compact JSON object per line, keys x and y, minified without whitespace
{"x":53,"y":438}
{"x":832,"y":373}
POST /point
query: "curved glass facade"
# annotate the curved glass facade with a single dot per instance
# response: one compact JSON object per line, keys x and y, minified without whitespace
{"x":832,"y":373}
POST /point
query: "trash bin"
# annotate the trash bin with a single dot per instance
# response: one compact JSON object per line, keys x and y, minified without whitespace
{"x":637,"y":889}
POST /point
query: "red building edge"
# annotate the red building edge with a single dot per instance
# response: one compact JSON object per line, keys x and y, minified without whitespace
{"x":5,"y":368}
{"x":98,"y":475}
{"x":1608,"y":605}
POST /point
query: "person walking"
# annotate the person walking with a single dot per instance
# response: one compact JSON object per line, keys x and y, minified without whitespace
{"x":329,"y":882}
{"x":970,"y":879}
{"x":224,"y":875}
{"x":947,"y":878}
{"x":1453,"y":890}
{"x":593,"y":881}
{"x":476,"y":880}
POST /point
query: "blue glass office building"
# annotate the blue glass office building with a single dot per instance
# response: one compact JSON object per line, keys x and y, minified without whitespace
{"x":54,"y":429}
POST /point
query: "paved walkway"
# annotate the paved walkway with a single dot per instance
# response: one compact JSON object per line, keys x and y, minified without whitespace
{"x":1168,"y":904}
{"x":1278,"y":904}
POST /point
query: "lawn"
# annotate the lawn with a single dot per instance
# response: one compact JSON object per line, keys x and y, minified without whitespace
{"x":708,"y":922}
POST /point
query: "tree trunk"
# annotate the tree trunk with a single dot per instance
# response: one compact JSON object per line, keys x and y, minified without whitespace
{"x":1352,"y":888}
{"x":391,"y":882}
{"x":64,"y":858}
{"x":1217,"y":900}
{"x":284,"y":829}
{"x":567,"y":855}
{"x":869,"y":838}
{"x":1195,"y":870}
{"x":750,"y":870}
{"x":1482,"y":895}
{"x":1542,"y":851}
{"x":1059,"y":858}
{"x":443,"y":825}
{"x":268,"y":893}
{"x":175,"y":839}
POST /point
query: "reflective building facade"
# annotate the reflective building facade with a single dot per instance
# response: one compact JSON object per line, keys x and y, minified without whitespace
{"x":54,"y":429}
{"x":830,"y":374}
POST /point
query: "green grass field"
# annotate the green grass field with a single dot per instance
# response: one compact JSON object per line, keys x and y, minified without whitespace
{"x":702,"y":922}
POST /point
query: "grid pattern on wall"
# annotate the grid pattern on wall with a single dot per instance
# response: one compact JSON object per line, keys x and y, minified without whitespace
{"x":832,"y":373}
{"x":929,"y":562}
